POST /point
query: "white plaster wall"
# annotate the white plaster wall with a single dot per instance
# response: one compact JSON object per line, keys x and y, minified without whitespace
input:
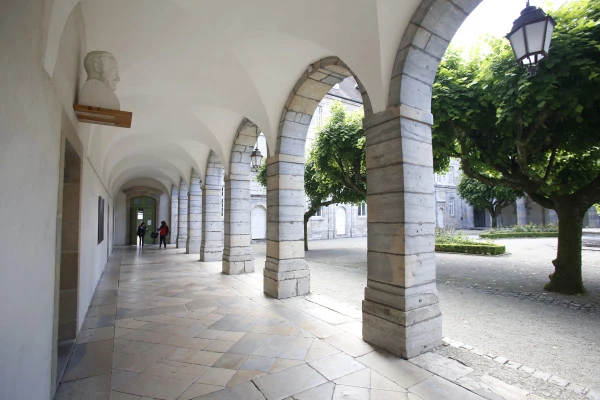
{"x":93,"y":255}
{"x":30,"y":121}
{"x":121,"y":219}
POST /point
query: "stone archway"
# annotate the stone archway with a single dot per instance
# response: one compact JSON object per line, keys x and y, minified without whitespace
{"x":237,"y":253}
{"x":211,"y":247}
{"x":401,"y":311}
{"x":286,"y":273}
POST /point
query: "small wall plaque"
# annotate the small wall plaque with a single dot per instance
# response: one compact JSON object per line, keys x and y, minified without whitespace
{"x":103,"y":116}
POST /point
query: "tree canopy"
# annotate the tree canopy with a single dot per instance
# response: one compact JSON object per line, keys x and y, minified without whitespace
{"x":536,"y":134}
{"x":487,"y":197}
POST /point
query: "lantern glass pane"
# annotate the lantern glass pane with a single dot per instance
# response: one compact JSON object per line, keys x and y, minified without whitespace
{"x":535,"y":36}
{"x":517,"y":41}
{"x":549,"y":32}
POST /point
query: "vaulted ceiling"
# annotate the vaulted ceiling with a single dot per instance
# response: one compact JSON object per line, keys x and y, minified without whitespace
{"x":192,"y":70}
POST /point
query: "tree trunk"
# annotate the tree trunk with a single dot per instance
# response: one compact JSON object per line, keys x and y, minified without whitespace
{"x":305,"y":233}
{"x":567,"y":277}
{"x":494,"y":217}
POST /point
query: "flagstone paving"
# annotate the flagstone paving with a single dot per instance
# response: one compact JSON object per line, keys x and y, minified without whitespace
{"x":165,"y":326}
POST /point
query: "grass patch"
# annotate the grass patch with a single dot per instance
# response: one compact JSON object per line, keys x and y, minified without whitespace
{"x":449,"y":240}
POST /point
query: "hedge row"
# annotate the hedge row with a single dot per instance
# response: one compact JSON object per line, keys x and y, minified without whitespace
{"x":493,"y":249}
{"x":504,"y":235}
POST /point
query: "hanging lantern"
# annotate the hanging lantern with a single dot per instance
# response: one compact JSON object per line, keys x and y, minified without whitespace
{"x":530,"y":37}
{"x":256,"y":158}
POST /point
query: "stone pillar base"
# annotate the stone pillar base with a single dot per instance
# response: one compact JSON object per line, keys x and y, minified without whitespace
{"x":284,"y":284}
{"x":404,"y":333}
{"x":238,"y":260}
{"x":209,"y":255}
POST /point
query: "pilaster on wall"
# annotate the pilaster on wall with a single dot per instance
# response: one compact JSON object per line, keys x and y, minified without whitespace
{"x":401,"y":312}
{"x":521,"y":206}
{"x":237,"y":253}
{"x":211,"y":248}
{"x":286,"y":274}
{"x":183,"y":215}
{"x":174,"y":223}
{"x":194,"y":215}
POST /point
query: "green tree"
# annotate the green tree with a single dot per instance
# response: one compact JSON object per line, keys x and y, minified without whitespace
{"x":335,"y":170}
{"x":482,"y":196}
{"x":539,"y":135}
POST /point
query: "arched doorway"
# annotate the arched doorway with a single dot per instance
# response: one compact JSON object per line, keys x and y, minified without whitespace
{"x":340,"y":221}
{"x":259,"y":223}
{"x":142,"y":209}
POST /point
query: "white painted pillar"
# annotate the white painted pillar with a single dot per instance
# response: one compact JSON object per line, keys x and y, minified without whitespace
{"x":174,"y":223}
{"x":183,"y":215}
{"x":237,"y":253}
{"x":401,"y":312}
{"x":211,"y":248}
{"x":521,"y":206}
{"x":194,"y":232}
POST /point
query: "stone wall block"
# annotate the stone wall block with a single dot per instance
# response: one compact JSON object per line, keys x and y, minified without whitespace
{"x":403,"y":207}
{"x":401,"y":269}
{"x":421,"y":65}
{"x":313,"y":89}
{"x":285,"y":231}
{"x":444,"y":19}
{"x":286,"y":182}
{"x":295,"y":130}
{"x":415,"y":130}
{"x":415,"y":93}
{"x":292,"y":146}
{"x":304,"y":105}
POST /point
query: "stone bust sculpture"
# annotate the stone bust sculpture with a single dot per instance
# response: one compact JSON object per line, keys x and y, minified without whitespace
{"x":103,"y":76}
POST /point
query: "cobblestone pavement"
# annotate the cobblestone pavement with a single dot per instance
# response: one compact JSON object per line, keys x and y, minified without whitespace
{"x":495,"y":313}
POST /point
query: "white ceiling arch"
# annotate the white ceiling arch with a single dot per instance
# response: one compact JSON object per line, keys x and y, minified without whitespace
{"x":192,"y":70}
{"x":139,"y":166}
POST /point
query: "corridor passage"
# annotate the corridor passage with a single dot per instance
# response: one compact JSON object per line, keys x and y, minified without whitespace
{"x":165,"y":326}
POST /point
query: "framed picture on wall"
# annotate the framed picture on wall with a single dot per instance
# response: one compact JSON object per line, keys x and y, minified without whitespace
{"x":100,"y":219}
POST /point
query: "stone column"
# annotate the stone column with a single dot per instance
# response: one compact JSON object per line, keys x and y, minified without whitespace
{"x":183,"y":215}
{"x":286,"y":274}
{"x":194,"y":232}
{"x":237,"y":253}
{"x":401,"y":312}
{"x":521,"y":206}
{"x":174,"y":223}
{"x":211,"y":248}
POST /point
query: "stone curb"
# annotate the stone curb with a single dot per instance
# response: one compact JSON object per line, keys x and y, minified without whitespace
{"x":547,"y":377}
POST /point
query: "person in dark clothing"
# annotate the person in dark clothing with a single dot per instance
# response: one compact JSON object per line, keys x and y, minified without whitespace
{"x":141,"y":231}
{"x":163,"y":231}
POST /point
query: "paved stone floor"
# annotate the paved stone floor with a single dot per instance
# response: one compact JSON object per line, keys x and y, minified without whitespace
{"x":165,"y":326}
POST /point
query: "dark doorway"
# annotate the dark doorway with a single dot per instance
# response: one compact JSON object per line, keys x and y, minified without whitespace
{"x":479,"y":218}
{"x":142,"y":209}
{"x":68,"y":287}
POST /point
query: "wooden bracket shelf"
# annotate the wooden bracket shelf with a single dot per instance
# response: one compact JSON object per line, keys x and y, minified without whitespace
{"x":103,"y":116}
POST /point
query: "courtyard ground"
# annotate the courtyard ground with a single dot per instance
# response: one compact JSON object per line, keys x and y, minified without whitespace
{"x":492,"y":307}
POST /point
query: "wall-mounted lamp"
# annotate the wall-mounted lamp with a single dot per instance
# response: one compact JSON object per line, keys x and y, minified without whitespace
{"x":256,"y":158}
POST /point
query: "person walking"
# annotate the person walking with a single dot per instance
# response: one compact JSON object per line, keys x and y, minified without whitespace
{"x":163,"y":231}
{"x":141,"y":231}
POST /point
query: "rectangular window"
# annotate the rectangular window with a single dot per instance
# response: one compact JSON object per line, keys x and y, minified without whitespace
{"x":451,"y":176}
{"x":319,"y":212}
{"x":451,"y":206}
{"x":362,"y":209}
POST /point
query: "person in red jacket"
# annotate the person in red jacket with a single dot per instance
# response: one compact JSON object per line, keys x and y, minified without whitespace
{"x":163,"y":231}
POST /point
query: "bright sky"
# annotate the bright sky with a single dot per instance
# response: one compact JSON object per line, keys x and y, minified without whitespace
{"x":495,"y":17}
